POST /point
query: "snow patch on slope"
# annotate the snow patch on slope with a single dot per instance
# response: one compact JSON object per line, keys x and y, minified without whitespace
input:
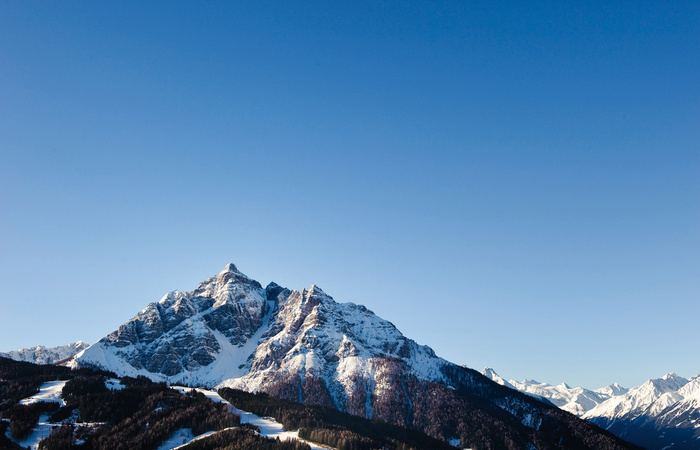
{"x":48,"y":392}
{"x":177,"y":439}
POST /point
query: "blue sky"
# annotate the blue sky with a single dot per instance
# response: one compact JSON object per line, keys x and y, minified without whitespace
{"x":514,"y":184}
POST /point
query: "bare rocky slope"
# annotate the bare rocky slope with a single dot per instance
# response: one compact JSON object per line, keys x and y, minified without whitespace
{"x":304,"y":346}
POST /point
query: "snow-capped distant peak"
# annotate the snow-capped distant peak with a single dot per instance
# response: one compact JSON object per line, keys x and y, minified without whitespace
{"x":612,"y":390}
{"x":491,"y":374}
{"x":43,"y":355}
{"x":669,"y":382}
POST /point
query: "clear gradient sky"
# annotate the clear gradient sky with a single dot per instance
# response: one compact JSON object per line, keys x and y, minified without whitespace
{"x":515,"y":184}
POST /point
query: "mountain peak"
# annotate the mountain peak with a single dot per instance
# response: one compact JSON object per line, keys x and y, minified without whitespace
{"x":315,"y":290}
{"x":491,"y":374}
{"x":613,"y":389}
{"x":230,"y":267}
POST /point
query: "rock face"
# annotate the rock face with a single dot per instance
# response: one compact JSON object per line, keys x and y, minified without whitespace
{"x":304,"y":346}
{"x":43,"y":355}
{"x":182,"y":336}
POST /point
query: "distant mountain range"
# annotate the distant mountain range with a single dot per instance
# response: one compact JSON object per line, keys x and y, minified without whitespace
{"x":661,"y":413}
{"x":43,"y":355}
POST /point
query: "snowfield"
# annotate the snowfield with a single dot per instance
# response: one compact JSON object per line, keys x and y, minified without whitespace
{"x":48,"y":392}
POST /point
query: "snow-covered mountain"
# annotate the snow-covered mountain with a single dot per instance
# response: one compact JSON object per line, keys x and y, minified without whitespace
{"x":682,"y":417}
{"x":304,"y":346}
{"x":231,"y":332}
{"x":648,"y":399}
{"x":658,"y":413}
{"x":661,"y":412}
{"x":574,"y":400}
{"x":43,"y":355}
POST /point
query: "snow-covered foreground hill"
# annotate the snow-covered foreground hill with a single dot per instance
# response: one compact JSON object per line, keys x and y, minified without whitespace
{"x":268,"y":426}
{"x":52,"y":392}
{"x":660,"y":412}
{"x":306,"y":347}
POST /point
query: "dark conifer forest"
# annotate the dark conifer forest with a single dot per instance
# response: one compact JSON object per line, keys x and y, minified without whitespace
{"x":330,"y":426}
